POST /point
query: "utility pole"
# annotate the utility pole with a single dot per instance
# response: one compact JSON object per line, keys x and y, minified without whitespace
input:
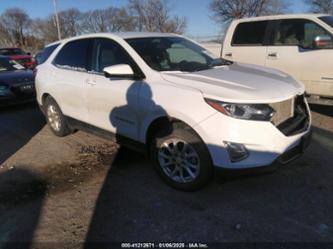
{"x":57,"y":18}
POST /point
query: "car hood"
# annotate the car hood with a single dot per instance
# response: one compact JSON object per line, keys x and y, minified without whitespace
{"x":17,"y":76}
{"x":241,"y":83}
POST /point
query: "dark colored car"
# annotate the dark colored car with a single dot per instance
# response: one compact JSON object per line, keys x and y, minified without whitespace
{"x":18,"y":55}
{"x":17,"y":84}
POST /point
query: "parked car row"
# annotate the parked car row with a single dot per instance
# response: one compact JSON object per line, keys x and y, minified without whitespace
{"x":18,"y":55}
{"x":17,"y":84}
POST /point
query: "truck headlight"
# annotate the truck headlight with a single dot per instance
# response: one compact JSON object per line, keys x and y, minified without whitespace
{"x":262,"y":112}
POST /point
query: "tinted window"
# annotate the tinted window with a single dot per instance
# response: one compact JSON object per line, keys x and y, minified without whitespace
{"x":250,"y":33}
{"x":328,"y":20}
{"x":75,"y":55}
{"x":297,"y":32}
{"x":41,"y":58}
{"x":109,"y":53}
{"x":173,"y":54}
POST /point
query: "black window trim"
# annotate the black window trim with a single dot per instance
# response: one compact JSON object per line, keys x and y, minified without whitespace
{"x":264,"y":44}
{"x":274,"y":29}
{"x":71,"y":68}
{"x":135,"y":67}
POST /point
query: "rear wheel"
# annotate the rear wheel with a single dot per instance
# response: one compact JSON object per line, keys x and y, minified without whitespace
{"x":181,"y":158}
{"x":55,"y":118}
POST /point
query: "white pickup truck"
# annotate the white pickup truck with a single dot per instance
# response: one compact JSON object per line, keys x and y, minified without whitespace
{"x":300,"y":45}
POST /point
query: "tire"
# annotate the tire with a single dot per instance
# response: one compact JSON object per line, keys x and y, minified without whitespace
{"x":173,"y":149}
{"x":55,"y":118}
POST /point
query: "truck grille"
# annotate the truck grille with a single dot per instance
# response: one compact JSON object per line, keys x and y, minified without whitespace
{"x":291,"y":116}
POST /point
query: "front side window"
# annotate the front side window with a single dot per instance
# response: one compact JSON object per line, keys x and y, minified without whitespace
{"x":250,"y":33}
{"x":297,"y":32}
{"x":75,"y":55}
{"x":173,"y":54}
{"x":108,"y":53}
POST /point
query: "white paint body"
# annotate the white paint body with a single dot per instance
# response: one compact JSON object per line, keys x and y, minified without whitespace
{"x":313,"y":67}
{"x":96,"y":99}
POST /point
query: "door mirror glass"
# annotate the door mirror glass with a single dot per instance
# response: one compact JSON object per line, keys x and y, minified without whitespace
{"x":322,"y":41}
{"x":120,"y":70}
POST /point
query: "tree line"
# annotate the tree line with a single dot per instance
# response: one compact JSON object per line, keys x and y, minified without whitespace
{"x":19,"y":30}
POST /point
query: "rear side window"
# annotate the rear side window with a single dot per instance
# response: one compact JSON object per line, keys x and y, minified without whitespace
{"x":75,"y":55}
{"x":46,"y":53}
{"x":250,"y":33}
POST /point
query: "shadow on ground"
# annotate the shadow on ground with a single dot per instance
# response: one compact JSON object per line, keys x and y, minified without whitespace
{"x":18,"y":124}
{"x":22,"y":188}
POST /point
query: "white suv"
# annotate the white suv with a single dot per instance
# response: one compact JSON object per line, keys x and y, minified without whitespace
{"x":167,"y":95}
{"x":299,"y":44}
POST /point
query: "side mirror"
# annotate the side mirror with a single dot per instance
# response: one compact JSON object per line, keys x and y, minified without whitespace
{"x":28,"y":53}
{"x":120,"y":70}
{"x":322,"y":41}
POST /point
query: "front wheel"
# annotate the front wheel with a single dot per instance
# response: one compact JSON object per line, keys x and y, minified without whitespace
{"x":181,"y":158}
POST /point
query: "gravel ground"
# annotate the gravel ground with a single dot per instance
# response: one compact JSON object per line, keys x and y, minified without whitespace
{"x":61,"y":192}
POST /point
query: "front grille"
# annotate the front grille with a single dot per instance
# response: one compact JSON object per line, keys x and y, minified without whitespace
{"x":299,"y":121}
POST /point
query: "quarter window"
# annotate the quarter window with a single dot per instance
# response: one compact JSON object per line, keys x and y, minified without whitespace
{"x":75,"y":55}
{"x":250,"y":33}
{"x":46,"y":53}
{"x":297,"y":32}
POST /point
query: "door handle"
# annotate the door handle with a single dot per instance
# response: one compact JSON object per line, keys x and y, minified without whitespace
{"x":228,"y":54}
{"x":91,"y":82}
{"x":274,"y":54}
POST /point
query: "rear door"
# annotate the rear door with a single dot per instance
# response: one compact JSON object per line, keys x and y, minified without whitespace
{"x":247,"y":43}
{"x":292,"y":50}
{"x":70,"y":75}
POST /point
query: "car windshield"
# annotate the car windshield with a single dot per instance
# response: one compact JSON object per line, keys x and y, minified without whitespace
{"x":9,"y":65}
{"x":174,"y":54}
{"x":327,"y":19}
{"x":12,"y":51}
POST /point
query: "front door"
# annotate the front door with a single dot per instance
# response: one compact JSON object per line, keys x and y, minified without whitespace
{"x":112,"y":103}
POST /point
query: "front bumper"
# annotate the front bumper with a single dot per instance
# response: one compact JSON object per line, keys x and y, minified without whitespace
{"x":265,"y":143}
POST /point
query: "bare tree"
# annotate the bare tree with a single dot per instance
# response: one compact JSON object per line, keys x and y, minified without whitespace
{"x":70,"y":22}
{"x":226,"y":10}
{"x":15,"y":22}
{"x":321,"y":6}
{"x":154,"y":16}
{"x":108,"y":20}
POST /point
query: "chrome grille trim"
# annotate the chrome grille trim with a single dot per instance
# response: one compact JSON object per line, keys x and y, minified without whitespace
{"x":283,"y":111}
{"x":292,"y":116}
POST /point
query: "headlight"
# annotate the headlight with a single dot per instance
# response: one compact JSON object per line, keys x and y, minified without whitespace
{"x":261,"y":112}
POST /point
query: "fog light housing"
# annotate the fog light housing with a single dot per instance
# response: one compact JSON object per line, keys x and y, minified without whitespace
{"x":237,"y":152}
